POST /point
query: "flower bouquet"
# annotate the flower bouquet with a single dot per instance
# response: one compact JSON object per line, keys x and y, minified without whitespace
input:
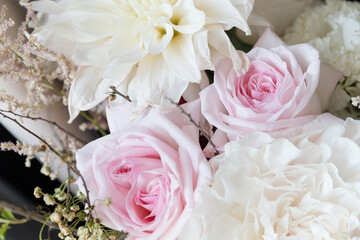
{"x":190,"y":119}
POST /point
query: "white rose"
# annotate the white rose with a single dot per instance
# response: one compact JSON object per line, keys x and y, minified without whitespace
{"x":149,"y":50}
{"x":307,"y":187}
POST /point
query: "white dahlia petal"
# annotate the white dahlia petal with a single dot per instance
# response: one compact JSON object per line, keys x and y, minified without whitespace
{"x":82,"y":93}
{"x":180,"y":57}
{"x":48,"y":6}
{"x":187,"y":18}
{"x":126,"y":47}
{"x":157,"y":39}
{"x":95,"y":55}
{"x":155,"y":92}
{"x":202,"y":50}
{"x":228,"y":13}
{"x":91,"y":85}
{"x":221,"y":43}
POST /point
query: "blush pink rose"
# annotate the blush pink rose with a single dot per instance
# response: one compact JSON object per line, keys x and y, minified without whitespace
{"x":152,"y":168}
{"x":284,"y":87}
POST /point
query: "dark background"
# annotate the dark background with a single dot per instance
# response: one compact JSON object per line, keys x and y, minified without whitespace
{"x":17,"y":183}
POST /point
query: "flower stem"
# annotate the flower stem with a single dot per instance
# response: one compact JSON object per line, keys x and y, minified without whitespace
{"x":93,"y":121}
{"x":29,"y":215}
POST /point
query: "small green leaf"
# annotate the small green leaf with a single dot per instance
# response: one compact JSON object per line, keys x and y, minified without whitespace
{"x":7,"y":214}
{"x":238,"y":44}
{"x":3,"y":230}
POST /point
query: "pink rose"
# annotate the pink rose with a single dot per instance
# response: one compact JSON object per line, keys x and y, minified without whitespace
{"x":151,"y":168}
{"x":285,"y":87}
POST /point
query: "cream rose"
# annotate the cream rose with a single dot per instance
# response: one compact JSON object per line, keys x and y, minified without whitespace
{"x":306,"y":187}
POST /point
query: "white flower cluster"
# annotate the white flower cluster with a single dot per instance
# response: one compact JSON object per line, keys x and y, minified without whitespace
{"x":334,"y":30}
{"x":306,"y":187}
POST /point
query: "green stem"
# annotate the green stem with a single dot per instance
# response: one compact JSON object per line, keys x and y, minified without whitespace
{"x":51,"y":86}
{"x":14,"y":221}
{"x":18,"y":56}
{"x":93,"y":121}
{"x":42,"y":228}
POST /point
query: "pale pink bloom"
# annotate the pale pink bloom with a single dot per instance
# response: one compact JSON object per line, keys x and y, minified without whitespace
{"x":152,"y":168}
{"x":285,"y":87}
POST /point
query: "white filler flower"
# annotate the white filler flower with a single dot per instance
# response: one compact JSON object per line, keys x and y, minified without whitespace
{"x":149,"y":49}
{"x":307,"y":187}
{"x":334,"y":30}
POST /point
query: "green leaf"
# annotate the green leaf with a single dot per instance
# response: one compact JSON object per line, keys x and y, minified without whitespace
{"x":3,"y":230}
{"x":238,"y":44}
{"x":7,"y":214}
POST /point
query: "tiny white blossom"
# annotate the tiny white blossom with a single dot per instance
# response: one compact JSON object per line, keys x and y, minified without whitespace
{"x":45,"y":170}
{"x":55,"y":217}
{"x":64,"y":229}
{"x":355,"y":101}
{"x":49,"y":200}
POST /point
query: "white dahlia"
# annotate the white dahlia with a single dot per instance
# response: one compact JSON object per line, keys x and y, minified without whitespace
{"x":149,"y":49}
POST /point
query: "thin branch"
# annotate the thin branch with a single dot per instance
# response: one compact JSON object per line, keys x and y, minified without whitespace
{"x":116,"y":92}
{"x":34,"y":134}
{"x":202,"y":132}
{"x":29,"y":215}
{"x":94,"y":121}
{"x":15,"y":221}
{"x":47,"y":121}
{"x":68,"y":186}
{"x":74,"y":169}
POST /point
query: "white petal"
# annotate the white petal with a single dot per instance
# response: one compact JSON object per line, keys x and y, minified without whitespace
{"x":65,"y":28}
{"x":350,"y":32}
{"x":122,"y":117}
{"x":161,"y":83}
{"x":200,"y":41}
{"x":88,"y":89}
{"x":99,"y":25}
{"x":47,"y":6}
{"x":126,"y":47}
{"x":187,"y":19}
{"x":54,"y":41}
{"x":157,"y":39}
{"x":226,"y":13}
{"x":220,"y":41}
{"x":180,"y":58}
{"x":95,"y":55}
